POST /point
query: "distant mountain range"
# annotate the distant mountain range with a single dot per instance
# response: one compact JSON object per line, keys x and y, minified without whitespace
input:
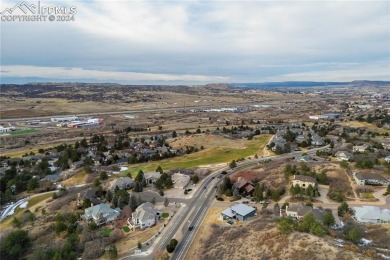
{"x":302,"y":84}
{"x":285,"y":84}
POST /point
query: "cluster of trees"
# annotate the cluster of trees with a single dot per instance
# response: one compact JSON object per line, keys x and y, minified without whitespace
{"x":364,"y":162}
{"x":343,"y":209}
{"x":323,"y":130}
{"x":310,"y":192}
{"x":304,"y":169}
{"x":12,"y":182}
{"x":130,"y":129}
{"x":15,"y":245}
{"x":308,"y":224}
{"x":380,"y":117}
{"x":164,"y":182}
{"x":260,"y":192}
{"x":139,"y":182}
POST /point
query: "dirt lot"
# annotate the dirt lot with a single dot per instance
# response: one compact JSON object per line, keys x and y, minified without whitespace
{"x":258,"y":238}
{"x":271,"y":174}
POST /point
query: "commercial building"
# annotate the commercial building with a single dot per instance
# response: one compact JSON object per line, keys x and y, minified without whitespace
{"x":63,"y":119}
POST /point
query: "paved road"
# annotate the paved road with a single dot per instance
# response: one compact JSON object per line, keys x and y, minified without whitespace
{"x":197,"y":208}
{"x":149,"y":195}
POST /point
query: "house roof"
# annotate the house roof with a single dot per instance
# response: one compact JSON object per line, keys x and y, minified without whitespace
{"x":304,"y":210}
{"x":242,"y":209}
{"x":103,"y":209}
{"x":344,"y":153}
{"x":370,"y":176}
{"x":372,"y":213}
{"x":228,"y":212}
{"x":305,"y":178}
{"x":145,"y":211}
{"x":241,"y":182}
{"x":121,"y":182}
{"x":90,"y":194}
{"x":52,"y":177}
{"x":152,"y":175}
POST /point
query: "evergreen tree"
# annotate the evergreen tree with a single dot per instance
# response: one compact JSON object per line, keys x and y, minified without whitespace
{"x":258,"y":193}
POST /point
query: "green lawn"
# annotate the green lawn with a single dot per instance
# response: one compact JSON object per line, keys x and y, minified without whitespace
{"x":367,"y":195}
{"x":126,"y":229}
{"x":207,"y":156}
{"x":165,"y":215}
{"x":106,"y":232}
{"x":22,"y":132}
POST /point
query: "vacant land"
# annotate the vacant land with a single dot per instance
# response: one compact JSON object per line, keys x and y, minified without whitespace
{"x":365,"y":125}
{"x":271,"y":174}
{"x":259,"y":239}
{"x":32,"y":203}
{"x":78,"y":178}
{"x":208,"y":156}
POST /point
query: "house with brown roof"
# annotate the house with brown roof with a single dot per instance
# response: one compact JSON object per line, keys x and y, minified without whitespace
{"x":304,"y":181}
{"x":244,"y":186}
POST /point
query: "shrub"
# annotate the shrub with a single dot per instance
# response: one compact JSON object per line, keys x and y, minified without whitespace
{"x":14,"y":245}
{"x":171,"y":246}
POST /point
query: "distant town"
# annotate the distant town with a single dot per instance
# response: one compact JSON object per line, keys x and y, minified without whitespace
{"x":168,"y":180}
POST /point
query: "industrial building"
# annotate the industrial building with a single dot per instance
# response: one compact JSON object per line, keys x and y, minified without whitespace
{"x":88,"y":123}
{"x":63,"y":119}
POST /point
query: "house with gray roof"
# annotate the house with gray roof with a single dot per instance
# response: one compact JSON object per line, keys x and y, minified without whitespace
{"x":317,"y":140}
{"x":364,"y":178}
{"x":298,"y":212}
{"x":123,"y":183}
{"x":52,"y":177}
{"x":239,"y":212}
{"x":359,"y":148}
{"x":101,"y":214}
{"x":344,"y":156}
{"x":371,"y":214}
{"x":151,"y":177}
{"x":146,"y":215}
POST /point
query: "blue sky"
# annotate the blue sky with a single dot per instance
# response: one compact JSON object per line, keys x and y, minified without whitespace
{"x":197,"y":42}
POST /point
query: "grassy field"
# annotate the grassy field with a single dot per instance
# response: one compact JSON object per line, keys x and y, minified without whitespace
{"x":31,"y":203}
{"x":365,"y":125}
{"x":165,"y":215}
{"x":78,"y":178}
{"x":23,"y":132}
{"x":208,"y":156}
{"x":106,"y":232}
{"x":367,"y":195}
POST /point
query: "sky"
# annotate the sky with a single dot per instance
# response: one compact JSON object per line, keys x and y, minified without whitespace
{"x":199,"y":42}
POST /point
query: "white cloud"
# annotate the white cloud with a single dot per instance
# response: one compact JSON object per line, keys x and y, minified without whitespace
{"x":245,"y":40}
{"x":79,"y":73}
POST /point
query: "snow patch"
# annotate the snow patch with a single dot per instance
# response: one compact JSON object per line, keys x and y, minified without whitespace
{"x":123,"y":168}
{"x":364,"y":241}
{"x":23,"y":205}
